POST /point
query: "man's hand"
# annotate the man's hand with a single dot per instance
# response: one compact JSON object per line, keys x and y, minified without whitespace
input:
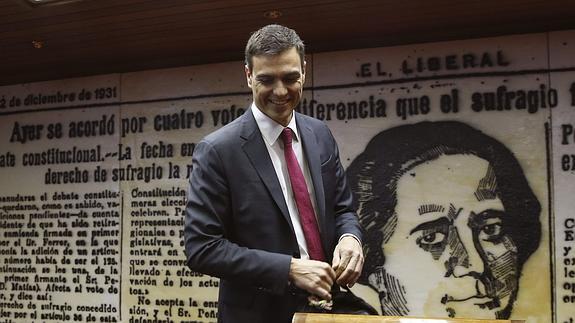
{"x":315,"y":277}
{"x":347,"y":261}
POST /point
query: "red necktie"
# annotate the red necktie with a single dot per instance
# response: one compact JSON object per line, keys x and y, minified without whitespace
{"x":302,"y":199}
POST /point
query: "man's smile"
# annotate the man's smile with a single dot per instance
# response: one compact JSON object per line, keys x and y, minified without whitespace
{"x":280,"y":102}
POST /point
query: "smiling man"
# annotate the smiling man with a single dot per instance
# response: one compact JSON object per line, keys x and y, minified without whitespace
{"x":450,"y":221}
{"x":269,"y":210}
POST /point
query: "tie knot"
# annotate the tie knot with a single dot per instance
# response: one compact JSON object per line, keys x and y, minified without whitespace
{"x":287,"y":136}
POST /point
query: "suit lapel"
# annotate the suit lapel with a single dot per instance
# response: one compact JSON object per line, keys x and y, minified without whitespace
{"x":255,"y":148}
{"x":310,"y":144}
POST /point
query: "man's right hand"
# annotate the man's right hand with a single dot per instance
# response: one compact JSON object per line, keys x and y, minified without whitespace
{"x":313,"y":276}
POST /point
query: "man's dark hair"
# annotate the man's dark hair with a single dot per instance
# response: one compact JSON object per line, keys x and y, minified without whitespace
{"x":273,"y":40}
{"x":373,"y":177}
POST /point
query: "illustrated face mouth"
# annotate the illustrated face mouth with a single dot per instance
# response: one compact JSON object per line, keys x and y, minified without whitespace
{"x":481,"y":301}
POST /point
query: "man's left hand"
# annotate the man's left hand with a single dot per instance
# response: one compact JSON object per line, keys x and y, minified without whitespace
{"x":347,"y":261}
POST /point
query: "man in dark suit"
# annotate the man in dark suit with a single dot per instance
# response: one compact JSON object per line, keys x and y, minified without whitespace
{"x":247,"y":220}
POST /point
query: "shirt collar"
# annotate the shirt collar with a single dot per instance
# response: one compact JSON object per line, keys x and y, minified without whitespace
{"x":270,"y":129}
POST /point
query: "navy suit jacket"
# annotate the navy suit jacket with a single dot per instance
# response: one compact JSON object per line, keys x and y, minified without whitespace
{"x":237,"y":225}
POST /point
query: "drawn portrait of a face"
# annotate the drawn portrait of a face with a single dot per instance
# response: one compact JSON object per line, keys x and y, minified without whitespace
{"x":450,"y":220}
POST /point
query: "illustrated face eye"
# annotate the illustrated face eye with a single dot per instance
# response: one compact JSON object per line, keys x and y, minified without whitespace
{"x":432,"y":238}
{"x":492,"y":231}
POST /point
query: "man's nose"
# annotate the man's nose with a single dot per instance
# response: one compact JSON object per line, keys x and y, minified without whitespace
{"x":279,"y":89}
{"x":466,"y":258}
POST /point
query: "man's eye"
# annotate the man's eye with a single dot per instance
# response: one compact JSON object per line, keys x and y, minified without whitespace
{"x":265,"y":80}
{"x":291,"y":80}
{"x":491,"y":232}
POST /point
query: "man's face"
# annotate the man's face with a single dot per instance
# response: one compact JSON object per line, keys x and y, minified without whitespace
{"x":277,"y":83}
{"x":449,"y":250}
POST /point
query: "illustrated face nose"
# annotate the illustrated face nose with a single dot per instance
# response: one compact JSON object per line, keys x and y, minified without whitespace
{"x":466,"y":259}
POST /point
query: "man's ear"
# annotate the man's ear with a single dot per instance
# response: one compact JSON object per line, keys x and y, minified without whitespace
{"x":248,"y":75}
{"x":303,"y":73}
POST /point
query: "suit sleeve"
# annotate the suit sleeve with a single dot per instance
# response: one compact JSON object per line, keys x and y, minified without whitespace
{"x":209,"y":215}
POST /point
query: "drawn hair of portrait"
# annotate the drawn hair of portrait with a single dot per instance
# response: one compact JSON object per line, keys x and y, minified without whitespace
{"x":449,"y":220}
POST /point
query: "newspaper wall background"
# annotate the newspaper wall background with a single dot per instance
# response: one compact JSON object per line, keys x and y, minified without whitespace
{"x":94,"y":173}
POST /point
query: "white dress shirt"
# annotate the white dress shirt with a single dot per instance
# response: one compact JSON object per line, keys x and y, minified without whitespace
{"x":271,"y":132}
